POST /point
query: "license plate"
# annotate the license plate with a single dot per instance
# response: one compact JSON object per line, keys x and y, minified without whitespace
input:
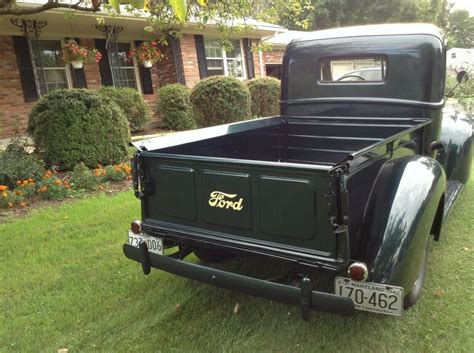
{"x":373,"y":297}
{"x":154,"y":245}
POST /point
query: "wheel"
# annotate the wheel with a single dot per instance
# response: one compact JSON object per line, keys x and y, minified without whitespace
{"x":211,"y":255}
{"x":414,"y":294}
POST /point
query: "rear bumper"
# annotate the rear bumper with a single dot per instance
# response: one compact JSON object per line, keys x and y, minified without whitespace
{"x":304,"y":297}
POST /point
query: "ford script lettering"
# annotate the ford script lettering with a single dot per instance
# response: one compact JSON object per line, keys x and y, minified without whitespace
{"x":220,"y":199}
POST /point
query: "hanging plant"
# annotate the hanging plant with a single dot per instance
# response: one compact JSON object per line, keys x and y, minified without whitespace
{"x":77,"y":55}
{"x":146,"y":54}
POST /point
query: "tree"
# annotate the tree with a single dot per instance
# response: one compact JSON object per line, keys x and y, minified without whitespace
{"x":292,"y":14}
{"x":460,"y":29}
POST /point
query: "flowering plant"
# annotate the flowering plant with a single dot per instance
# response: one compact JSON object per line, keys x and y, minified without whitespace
{"x":74,"y":52}
{"x":146,"y":52}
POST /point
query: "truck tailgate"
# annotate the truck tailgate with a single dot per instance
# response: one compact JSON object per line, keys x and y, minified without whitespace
{"x":284,"y":208}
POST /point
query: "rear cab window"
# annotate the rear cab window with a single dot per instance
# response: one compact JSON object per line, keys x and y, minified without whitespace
{"x":355,"y":69}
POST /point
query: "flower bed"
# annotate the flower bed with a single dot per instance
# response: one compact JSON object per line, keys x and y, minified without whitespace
{"x":59,"y":186}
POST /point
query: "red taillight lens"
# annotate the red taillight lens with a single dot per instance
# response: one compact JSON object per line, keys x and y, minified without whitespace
{"x":136,"y":227}
{"x":358,"y":271}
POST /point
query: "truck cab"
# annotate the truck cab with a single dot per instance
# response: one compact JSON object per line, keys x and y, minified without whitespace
{"x":353,"y":178}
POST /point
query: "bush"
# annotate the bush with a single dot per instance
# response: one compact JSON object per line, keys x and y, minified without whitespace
{"x":16,"y":163}
{"x":75,"y":125}
{"x":83,"y":178}
{"x":175,"y":108}
{"x":264,"y":96}
{"x":132,"y":103}
{"x":219,"y":100}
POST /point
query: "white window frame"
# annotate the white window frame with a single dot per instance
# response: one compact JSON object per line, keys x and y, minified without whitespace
{"x":224,"y":58}
{"x":67,"y":68}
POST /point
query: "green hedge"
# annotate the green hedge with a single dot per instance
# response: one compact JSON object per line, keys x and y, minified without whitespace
{"x":265,"y":96}
{"x":76,"y":125}
{"x":174,"y":107}
{"x":131,"y":101}
{"x":220,"y":100}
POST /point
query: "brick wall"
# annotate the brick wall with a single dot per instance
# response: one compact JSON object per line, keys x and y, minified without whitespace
{"x":190,"y":62}
{"x":274,"y":56}
{"x":13,"y":109}
{"x":91,"y":70}
{"x":166,"y":68}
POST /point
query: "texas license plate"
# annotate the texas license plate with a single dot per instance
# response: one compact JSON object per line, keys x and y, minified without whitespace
{"x":154,"y":245}
{"x":374,"y":297}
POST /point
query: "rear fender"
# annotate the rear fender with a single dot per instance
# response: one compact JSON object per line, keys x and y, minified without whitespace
{"x":398,"y":219}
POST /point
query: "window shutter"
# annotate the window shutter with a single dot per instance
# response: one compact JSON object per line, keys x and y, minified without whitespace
{"x":201,"y":56}
{"x":145,"y":76}
{"x":78,"y":75}
{"x":104,"y":64}
{"x":25,"y":66}
{"x":249,"y":58}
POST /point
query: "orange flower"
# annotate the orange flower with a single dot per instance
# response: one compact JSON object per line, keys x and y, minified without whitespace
{"x":30,"y":180}
{"x":38,"y":191}
{"x":67,"y":186}
{"x":25,"y":181}
{"x":44,"y":188}
{"x":118,"y":169}
{"x":5,"y":194}
{"x":22,"y":204}
{"x":3,"y":187}
{"x":18,"y":182}
{"x":57,"y":182}
{"x":10,"y":205}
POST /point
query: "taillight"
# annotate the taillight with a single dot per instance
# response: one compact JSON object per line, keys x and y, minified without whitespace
{"x":358,"y":271}
{"x":136,"y":227}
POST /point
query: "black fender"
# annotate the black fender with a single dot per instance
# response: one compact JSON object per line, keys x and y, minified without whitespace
{"x":398,"y":219}
{"x":456,"y":138}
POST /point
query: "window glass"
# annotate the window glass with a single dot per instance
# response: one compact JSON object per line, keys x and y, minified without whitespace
{"x":123,"y":69}
{"x":353,"y":70}
{"x":223,"y":62}
{"x":50,"y":70}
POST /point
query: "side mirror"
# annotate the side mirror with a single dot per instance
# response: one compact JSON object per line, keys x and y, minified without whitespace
{"x":462,"y":76}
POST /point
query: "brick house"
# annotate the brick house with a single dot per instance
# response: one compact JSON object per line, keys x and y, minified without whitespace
{"x":273,"y":59}
{"x":25,"y":76}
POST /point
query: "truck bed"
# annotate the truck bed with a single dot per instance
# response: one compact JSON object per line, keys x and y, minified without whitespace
{"x":273,"y":177}
{"x":323,"y":141}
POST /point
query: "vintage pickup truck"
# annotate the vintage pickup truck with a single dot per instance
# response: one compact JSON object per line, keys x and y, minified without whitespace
{"x":353,"y":179}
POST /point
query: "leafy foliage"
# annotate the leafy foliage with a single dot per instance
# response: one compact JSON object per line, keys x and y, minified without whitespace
{"x":460,"y":29}
{"x":220,"y":100}
{"x":75,"y":125}
{"x":463,"y":93}
{"x":174,"y":107}
{"x":132,"y":103}
{"x":83,"y":178}
{"x":16,"y":163}
{"x":265,"y":96}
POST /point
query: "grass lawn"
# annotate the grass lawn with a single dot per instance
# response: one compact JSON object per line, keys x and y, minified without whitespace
{"x":66,"y":284}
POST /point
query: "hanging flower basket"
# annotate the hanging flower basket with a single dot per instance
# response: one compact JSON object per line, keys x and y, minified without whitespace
{"x":77,"y":55}
{"x":77,"y":64}
{"x":146,"y":54}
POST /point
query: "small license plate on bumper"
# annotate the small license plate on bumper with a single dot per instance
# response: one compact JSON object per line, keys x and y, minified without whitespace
{"x":373,"y":297}
{"x":154,"y":245}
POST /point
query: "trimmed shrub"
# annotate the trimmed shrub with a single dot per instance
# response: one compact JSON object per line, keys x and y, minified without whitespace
{"x":17,"y":164}
{"x":76,"y":125}
{"x":131,"y":101}
{"x":264,"y":96}
{"x":175,"y":108}
{"x":220,"y":100}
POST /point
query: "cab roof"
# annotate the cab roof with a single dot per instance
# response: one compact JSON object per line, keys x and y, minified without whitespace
{"x":372,"y":30}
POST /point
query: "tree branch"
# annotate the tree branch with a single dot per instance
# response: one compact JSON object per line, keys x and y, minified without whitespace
{"x":50,"y":4}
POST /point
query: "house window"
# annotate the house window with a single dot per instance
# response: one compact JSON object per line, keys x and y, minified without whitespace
{"x":224,"y":62}
{"x":123,"y":69}
{"x":50,"y":72}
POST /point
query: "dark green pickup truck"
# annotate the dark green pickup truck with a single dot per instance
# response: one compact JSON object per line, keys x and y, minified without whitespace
{"x":353,"y":179}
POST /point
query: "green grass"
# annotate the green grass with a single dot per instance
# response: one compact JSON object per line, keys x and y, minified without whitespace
{"x":65,"y":283}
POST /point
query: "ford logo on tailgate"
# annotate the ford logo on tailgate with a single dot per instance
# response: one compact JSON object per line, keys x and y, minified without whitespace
{"x":220,"y":199}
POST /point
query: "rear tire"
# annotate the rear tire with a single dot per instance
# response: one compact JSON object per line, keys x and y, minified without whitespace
{"x":210,"y":255}
{"x":412,"y":297}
